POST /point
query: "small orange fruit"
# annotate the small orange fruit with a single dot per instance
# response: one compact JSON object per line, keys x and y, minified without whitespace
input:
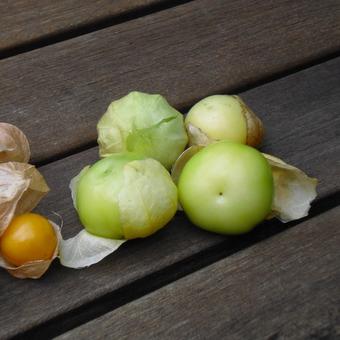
{"x":29,"y":237}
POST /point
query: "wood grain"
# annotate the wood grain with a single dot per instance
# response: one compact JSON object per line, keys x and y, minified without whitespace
{"x":300,"y":113}
{"x":287,"y":287}
{"x":184,"y":53}
{"x":29,"y":21}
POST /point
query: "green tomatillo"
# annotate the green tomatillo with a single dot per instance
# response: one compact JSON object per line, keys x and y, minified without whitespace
{"x":226,"y":188}
{"x":125,"y":196}
{"x":143,"y":123}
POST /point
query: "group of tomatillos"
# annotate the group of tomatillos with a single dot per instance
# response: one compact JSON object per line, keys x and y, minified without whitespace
{"x":153,"y":162}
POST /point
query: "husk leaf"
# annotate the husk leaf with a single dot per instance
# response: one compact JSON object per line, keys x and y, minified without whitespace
{"x":86,"y":249}
{"x":21,"y":188}
{"x":294,"y":191}
{"x":147,"y":199}
{"x":182,"y":160}
{"x":255,"y":129}
{"x":143,"y":123}
{"x":197,"y":137}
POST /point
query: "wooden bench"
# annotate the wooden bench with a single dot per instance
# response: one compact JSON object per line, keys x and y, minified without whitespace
{"x":61,"y":65}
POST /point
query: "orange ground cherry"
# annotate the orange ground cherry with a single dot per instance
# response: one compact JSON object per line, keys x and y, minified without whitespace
{"x":29,"y":237}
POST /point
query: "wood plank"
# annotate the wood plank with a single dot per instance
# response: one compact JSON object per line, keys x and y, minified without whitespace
{"x":287,"y":287}
{"x":300,"y":113}
{"x":24,"y":22}
{"x":217,"y":46}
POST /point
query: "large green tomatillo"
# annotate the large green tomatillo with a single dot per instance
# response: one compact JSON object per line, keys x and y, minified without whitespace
{"x":226,"y":188}
{"x":125,"y":196}
{"x":145,"y":124}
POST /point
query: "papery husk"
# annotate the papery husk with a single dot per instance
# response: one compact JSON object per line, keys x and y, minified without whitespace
{"x":145,"y":124}
{"x":180,"y":163}
{"x":14,"y":145}
{"x":21,"y":188}
{"x":182,"y":160}
{"x":85,"y":249}
{"x":197,"y":137}
{"x":293,"y":190}
{"x":34,"y":269}
{"x":255,"y":129}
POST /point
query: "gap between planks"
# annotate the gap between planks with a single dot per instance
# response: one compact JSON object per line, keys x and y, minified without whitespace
{"x":150,"y":283}
{"x":85,"y":28}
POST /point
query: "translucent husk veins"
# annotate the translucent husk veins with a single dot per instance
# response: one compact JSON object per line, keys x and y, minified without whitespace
{"x":21,"y":188}
{"x":86,"y":249}
{"x":142,"y":123}
{"x":294,"y":191}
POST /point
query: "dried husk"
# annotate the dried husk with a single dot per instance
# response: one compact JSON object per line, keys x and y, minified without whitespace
{"x":85,"y":249}
{"x":293,"y":189}
{"x":255,"y":130}
{"x":14,"y":145}
{"x":180,"y":163}
{"x":182,"y":160}
{"x":197,"y":137}
{"x":34,"y":269}
{"x":21,"y":188}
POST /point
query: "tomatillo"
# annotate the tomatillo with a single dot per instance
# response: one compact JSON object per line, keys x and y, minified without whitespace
{"x":226,"y":188}
{"x":125,"y":196}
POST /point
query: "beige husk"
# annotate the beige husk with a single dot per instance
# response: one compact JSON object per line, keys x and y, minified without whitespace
{"x":13,"y":144}
{"x":255,"y":130}
{"x":34,"y":269}
{"x":293,"y":189}
{"x":21,"y":188}
{"x":182,"y":160}
{"x":197,"y":137}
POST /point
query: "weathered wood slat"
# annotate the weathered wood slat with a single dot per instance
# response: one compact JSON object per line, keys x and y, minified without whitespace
{"x":29,"y":21}
{"x":62,"y":90}
{"x":287,"y":287}
{"x":300,"y":113}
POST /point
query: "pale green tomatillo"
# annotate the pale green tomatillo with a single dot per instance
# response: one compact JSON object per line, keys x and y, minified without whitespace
{"x":226,"y":188}
{"x":145,"y":124}
{"x":125,"y":196}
